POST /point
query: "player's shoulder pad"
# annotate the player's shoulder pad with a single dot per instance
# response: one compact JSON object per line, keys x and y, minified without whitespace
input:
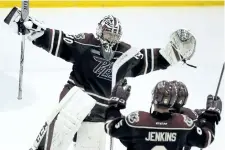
{"x":123,"y":47}
{"x":190,"y":113}
{"x":87,"y":39}
{"x":183,"y":121}
{"x":133,"y":118}
{"x":138,"y":119}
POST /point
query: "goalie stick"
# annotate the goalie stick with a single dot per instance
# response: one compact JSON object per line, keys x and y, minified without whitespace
{"x":24,"y":17}
{"x":119,"y":62}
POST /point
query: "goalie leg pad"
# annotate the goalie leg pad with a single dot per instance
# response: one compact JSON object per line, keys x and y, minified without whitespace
{"x":90,"y":136}
{"x":69,"y":121}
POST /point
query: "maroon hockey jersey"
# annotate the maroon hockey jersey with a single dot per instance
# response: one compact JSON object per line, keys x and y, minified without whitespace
{"x":167,"y":131}
{"x":91,"y":71}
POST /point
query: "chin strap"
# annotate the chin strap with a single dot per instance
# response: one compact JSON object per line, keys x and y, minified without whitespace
{"x":189,"y":64}
{"x":151,"y":108}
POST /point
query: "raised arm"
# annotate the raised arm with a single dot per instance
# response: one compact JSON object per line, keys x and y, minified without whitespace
{"x":180,"y":47}
{"x":56,"y":42}
{"x":204,"y":133}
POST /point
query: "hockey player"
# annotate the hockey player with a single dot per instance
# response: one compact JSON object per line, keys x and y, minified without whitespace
{"x":99,"y":62}
{"x":160,"y":129}
{"x":178,"y":107}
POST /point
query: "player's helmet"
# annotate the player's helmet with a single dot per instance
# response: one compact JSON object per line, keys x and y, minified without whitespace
{"x":164,"y":94}
{"x":182,"y":94}
{"x":109,"y":32}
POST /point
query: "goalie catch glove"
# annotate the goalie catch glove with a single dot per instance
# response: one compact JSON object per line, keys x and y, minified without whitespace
{"x":120,"y":94}
{"x":34,"y":28}
{"x":181,"y":47}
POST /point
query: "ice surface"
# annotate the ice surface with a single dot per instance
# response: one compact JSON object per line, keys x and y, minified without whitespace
{"x":45,"y":75}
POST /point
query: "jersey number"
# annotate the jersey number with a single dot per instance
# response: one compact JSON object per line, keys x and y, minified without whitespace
{"x":68,"y":39}
{"x":159,"y":148}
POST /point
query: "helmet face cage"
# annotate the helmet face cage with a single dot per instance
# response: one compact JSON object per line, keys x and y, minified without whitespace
{"x":109,"y":32}
{"x":164,"y":94}
{"x":182,"y":94}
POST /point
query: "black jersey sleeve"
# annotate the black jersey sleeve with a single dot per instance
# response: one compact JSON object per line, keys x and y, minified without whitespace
{"x":60,"y":44}
{"x":148,"y":60}
{"x":116,"y":125}
{"x":201,"y":136}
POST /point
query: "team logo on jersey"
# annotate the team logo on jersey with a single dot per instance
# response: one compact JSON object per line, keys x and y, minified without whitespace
{"x":103,"y":69}
{"x":133,"y":117}
{"x":139,"y":55}
{"x":79,"y":36}
{"x":189,"y":122}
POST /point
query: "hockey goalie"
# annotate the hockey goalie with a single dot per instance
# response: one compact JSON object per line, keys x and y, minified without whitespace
{"x":99,"y":62}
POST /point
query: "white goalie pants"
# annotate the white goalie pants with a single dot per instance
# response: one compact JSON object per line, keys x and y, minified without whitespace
{"x":90,"y":136}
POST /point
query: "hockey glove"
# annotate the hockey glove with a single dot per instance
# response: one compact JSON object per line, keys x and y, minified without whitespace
{"x":213,"y":109}
{"x":120,"y":94}
{"x":34,"y":28}
{"x":181,"y":47}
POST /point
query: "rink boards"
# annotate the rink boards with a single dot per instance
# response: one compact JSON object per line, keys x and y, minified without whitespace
{"x":112,"y":3}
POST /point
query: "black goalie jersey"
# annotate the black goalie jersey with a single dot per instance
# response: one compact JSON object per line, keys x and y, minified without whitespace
{"x":91,"y":71}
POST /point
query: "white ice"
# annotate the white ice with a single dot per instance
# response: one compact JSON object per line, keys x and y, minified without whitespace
{"x":45,"y":75}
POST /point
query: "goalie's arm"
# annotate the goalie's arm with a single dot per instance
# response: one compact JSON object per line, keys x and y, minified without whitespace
{"x":180,"y":47}
{"x":53,"y":41}
{"x":59,"y":44}
{"x":148,"y":60}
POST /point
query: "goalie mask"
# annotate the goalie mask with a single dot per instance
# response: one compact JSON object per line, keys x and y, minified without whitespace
{"x":109,"y":32}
